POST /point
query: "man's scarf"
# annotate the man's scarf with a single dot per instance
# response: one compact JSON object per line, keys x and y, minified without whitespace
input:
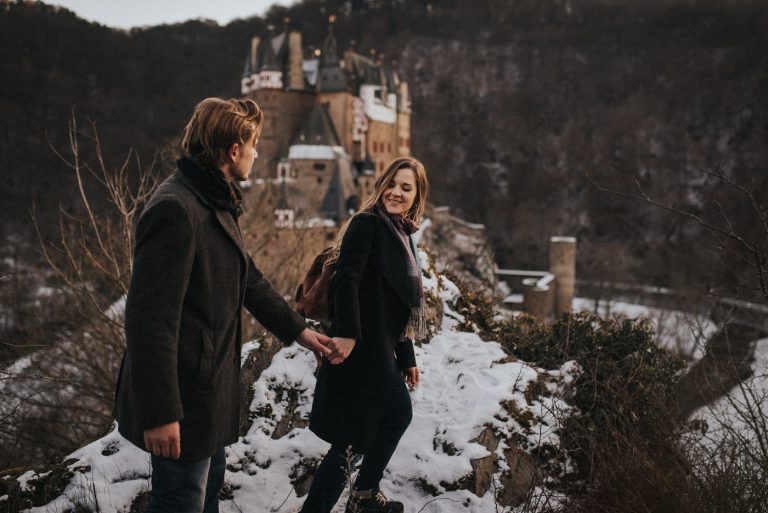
{"x":211,"y":184}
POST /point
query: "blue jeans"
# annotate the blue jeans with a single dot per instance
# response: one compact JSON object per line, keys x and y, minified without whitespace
{"x":187,"y":486}
{"x":331,"y":476}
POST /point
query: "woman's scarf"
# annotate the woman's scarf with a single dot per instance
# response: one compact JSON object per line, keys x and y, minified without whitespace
{"x":403,"y":228}
{"x":211,"y":184}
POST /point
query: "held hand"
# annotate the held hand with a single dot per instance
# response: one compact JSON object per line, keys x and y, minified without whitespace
{"x":411,"y":376}
{"x":315,"y":342}
{"x":341,"y":348}
{"x":164,"y":440}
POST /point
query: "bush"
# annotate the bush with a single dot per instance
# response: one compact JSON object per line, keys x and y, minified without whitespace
{"x":625,"y":439}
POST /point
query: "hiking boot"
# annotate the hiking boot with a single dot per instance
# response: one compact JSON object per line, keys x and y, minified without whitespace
{"x":372,"y":501}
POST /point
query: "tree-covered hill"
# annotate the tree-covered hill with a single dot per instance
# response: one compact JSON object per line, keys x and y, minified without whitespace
{"x":514,"y":104}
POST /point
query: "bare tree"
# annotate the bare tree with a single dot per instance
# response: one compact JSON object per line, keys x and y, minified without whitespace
{"x":729,"y":453}
{"x":60,"y":397}
{"x":733,"y":212}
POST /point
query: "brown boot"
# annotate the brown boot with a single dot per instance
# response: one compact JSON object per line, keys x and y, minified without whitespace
{"x":372,"y":501}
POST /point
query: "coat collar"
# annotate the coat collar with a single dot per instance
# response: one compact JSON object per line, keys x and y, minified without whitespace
{"x":224,"y":218}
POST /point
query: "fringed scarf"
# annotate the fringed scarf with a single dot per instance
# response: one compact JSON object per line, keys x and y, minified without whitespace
{"x":403,"y":228}
{"x":210,"y":183}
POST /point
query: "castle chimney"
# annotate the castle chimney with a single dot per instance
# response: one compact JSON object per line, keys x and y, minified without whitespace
{"x":562,"y":263}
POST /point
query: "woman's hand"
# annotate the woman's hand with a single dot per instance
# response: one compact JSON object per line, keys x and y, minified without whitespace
{"x":340,"y":349}
{"x":315,"y":342}
{"x":411,"y":376}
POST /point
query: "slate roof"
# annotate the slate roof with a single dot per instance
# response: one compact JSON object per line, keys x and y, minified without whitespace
{"x":333,"y":205}
{"x":318,"y":129}
{"x":271,"y":54}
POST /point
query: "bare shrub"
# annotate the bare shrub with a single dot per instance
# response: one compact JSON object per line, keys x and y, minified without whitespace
{"x":720,"y":465}
{"x":60,"y":397}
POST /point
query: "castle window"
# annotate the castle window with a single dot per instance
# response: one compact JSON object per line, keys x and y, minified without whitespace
{"x":319,"y":166}
{"x":319,"y":179}
{"x":375,"y":146}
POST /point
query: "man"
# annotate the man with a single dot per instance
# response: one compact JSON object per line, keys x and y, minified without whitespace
{"x":178,"y":393}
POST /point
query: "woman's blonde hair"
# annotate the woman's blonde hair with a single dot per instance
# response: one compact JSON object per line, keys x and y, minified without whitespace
{"x":217,"y":124}
{"x":414,"y":213}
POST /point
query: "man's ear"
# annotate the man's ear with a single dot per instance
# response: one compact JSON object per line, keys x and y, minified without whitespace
{"x":233,"y":152}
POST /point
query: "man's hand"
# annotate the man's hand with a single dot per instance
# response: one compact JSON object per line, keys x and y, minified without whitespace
{"x":411,"y":376}
{"x":315,"y":342}
{"x":341,"y":348}
{"x":164,"y":440}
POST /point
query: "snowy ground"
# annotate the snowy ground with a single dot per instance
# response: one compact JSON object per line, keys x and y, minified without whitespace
{"x":467,"y":386}
{"x":465,"y":380}
{"x":742,"y":413}
{"x":682,"y":333}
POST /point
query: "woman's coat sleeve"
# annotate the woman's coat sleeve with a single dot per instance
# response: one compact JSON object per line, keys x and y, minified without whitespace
{"x":353,"y":257}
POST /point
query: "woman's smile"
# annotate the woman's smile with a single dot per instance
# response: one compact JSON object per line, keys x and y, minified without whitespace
{"x":400,"y":192}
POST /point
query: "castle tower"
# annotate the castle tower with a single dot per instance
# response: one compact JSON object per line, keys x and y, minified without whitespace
{"x":331,"y":78}
{"x":366,"y":102}
{"x":366,"y":177}
{"x":562,"y":263}
{"x":284,"y":214}
{"x":274,"y":78}
{"x":322,"y":167}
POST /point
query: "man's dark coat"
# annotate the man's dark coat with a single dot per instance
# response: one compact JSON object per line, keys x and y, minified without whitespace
{"x":191,"y":277}
{"x":372,"y":306}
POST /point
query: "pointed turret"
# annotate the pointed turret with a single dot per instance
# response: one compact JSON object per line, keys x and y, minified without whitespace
{"x":331,"y":77}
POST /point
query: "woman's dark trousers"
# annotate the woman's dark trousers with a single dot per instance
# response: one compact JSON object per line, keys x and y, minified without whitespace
{"x":331,"y":475}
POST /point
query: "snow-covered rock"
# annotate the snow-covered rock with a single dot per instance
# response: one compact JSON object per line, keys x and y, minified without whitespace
{"x":474,"y":418}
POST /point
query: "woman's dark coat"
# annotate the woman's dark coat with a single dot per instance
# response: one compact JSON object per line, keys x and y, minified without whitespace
{"x":372,"y":306}
{"x":191,"y":277}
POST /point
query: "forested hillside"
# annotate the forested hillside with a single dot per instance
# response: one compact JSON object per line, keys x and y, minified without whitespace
{"x":524,"y":112}
{"x":516,"y":105}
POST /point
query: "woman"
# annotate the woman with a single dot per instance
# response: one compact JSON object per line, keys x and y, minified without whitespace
{"x":362,"y":405}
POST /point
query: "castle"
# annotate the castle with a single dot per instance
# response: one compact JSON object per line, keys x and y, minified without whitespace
{"x":332,"y":125}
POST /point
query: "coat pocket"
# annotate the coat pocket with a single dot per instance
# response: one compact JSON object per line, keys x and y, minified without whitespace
{"x":205,"y":371}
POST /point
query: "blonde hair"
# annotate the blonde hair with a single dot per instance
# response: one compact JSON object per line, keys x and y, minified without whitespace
{"x":414,"y":213}
{"x":216,"y":124}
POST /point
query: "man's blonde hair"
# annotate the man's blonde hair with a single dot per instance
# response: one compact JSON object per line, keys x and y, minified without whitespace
{"x":217,"y":124}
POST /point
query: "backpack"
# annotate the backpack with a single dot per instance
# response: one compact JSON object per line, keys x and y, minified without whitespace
{"x":314,"y":296}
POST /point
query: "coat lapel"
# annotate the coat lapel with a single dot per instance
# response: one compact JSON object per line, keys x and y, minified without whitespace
{"x":225,"y":219}
{"x":393,"y":264}
{"x":227,"y":222}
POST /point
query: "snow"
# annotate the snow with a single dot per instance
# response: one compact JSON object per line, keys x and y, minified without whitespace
{"x":11,"y":372}
{"x":314,"y":152}
{"x":464,"y":381}
{"x":316,"y":222}
{"x":681,"y":333}
{"x":109,"y":472}
{"x":746,"y":405}
{"x":310,"y":67}
{"x":374,"y":107}
{"x":423,"y":227}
